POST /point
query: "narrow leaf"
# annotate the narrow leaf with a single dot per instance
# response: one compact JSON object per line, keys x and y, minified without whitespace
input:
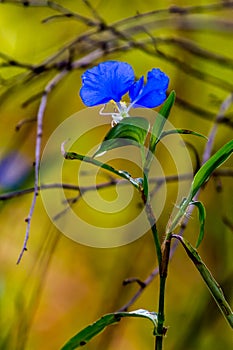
{"x":207,"y":169}
{"x":181,"y":131}
{"x":129,"y":131}
{"x":89,"y":332}
{"x":160,"y":120}
{"x":199,"y":179}
{"x":124,"y":174}
{"x":211,"y":283}
{"x":202,"y":216}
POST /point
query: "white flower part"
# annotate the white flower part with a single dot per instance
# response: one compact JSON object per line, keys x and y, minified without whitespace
{"x":116,"y":118}
{"x":121,"y":111}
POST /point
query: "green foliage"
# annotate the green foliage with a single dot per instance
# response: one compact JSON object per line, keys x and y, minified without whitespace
{"x":121,"y":173}
{"x":161,"y":120}
{"x":209,"y":167}
{"x":89,"y":332}
{"x":199,"y":180}
{"x":129,"y":131}
{"x":134,"y":131}
{"x":202,"y":217}
{"x":182,"y":132}
{"x":212,"y":285}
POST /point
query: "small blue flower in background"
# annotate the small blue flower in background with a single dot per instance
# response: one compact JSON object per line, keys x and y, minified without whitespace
{"x":112,"y":79}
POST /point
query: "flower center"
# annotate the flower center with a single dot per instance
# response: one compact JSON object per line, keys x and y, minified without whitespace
{"x":120,"y":111}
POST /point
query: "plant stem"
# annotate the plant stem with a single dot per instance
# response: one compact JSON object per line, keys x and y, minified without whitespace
{"x":163,"y":268}
{"x":152,"y":221}
{"x":163,"y":260}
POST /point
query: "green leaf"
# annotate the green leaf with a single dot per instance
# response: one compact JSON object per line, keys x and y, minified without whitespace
{"x":211,"y":283}
{"x":202,"y":216}
{"x":181,"y":131}
{"x":160,"y":120}
{"x":199,"y":179}
{"x":89,"y":332}
{"x":207,"y":169}
{"x":129,"y":131}
{"x":124,"y":174}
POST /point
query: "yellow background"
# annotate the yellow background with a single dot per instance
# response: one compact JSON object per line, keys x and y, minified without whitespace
{"x":61,"y":286}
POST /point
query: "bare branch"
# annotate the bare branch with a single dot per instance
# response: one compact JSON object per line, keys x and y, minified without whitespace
{"x":68,"y":14}
{"x":223,"y":108}
{"x":40,"y":116}
{"x":225,"y":172}
{"x":23,"y":122}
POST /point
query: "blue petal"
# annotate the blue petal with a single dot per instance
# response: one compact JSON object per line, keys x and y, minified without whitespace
{"x":109,"y":80}
{"x":135,"y":89}
{"x":153,"y":93}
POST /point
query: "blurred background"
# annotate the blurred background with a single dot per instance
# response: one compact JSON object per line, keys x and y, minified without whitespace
{"x":61,"y":286}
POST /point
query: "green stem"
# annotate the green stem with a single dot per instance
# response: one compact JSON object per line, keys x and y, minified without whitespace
{"x":152,"y":221}
{"x":163,"y":277}
{"x":163,"y":260}
{"x":177,"y":219}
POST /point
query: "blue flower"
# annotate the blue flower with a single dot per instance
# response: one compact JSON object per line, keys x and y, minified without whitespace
{"x":112,"y":79}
